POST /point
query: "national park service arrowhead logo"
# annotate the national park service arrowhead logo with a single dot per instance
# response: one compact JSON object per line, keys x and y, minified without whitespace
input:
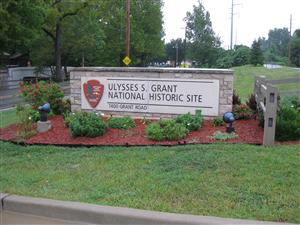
{"x":93,"y":91}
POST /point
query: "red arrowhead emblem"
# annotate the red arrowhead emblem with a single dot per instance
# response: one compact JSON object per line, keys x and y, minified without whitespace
{"x":93,"y":91}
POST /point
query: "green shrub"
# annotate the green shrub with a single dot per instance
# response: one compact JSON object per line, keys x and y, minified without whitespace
{"x":155,"y":132}
{"x":288,"y":120}
{"x":242,"y":111}
{"x":218,"y":135}
{"x":84,"y":124}
{"x":174,"y":131}
{"x":218,"y":121}
{"x":27,"y":117}
{"x":166,"y":130}
{"x":42,"y":92}
{"x":191,"y":122}
{"x":29,"y":111}
{"x":121,"y":123}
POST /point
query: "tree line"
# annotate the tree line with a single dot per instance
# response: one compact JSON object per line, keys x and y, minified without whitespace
{"x":92,"y":33}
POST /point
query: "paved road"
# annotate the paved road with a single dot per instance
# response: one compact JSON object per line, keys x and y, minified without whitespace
{"x":10,"y":218}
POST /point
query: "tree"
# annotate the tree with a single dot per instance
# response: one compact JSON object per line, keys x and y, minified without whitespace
{"x":204,"y":44}
{"x":241,"y":55}
{"x":20,"y":24}
{"x":256,"y":57}
{"x":175,"y":51}
{"x":57,"y":12}
{"x":278,"y":40}
{"x":295,"y":48}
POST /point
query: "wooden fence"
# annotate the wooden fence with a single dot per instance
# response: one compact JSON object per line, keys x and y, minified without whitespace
{"x":267,"y":96}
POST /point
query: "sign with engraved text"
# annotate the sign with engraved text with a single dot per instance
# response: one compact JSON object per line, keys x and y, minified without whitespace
{"x":150,"y":95}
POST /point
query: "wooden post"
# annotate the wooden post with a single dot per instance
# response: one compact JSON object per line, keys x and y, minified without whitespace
{"x":266,"y":97}
{"x":270,"y":115}
{"x":127,"y":44}
{"x":259,"y":80}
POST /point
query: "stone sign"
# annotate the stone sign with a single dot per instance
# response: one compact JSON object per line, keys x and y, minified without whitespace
{"x":150,"y":95}
{"x":156,"y":92}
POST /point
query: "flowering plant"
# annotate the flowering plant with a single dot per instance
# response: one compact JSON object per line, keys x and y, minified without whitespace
{"x":39,"y":93}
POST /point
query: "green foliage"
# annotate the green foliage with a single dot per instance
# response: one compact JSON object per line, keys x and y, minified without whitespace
{"x":42,"y":92}
{"x":223,"y":136}
{"x":32,"y":113}
{"x":238,"y":56}
{"x":155,"y":132}
{"x":295,"y":48}
{"x":218,"y":121}
{"x":256,"y":57}
{"x":123,"y":123}
{"x":174,"y":47}
{"x":27,"y":118}
{"x":241,"y":55}
{"x":20,"y":24}
{"x":84,"y":124}
{"x":173,"y":130}
{"x":275,"y":48}
{"x":242,"y":111}
{"x":202,"y":43}
{"x":191,"y":122}
{"x":166,"y":130}
{"x":288,"y":120}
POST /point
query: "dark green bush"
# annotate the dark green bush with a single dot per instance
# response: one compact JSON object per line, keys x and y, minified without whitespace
{"x":155,"y":132}
{"x":174,"y":131}
{"x":191,"y":122}
{"x":288,"y":120}
{"x":84,"y":124}
{"x":121,"y":123}
{"x":166,"y":130}
{"x":218,"y":121}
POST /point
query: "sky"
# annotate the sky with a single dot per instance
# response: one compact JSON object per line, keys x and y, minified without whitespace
{"x":252,"y":18}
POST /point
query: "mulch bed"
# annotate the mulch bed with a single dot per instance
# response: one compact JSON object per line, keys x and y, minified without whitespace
{"x":248,"y":132}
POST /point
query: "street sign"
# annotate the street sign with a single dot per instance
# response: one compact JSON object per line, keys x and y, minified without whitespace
{"x":126,"y":60}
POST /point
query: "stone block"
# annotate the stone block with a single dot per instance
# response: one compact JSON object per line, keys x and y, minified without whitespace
{"x":43,"y":126}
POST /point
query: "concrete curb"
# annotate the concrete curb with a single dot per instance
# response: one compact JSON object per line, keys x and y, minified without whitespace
{"x":96,"y":214}
{"x":2,"y":196}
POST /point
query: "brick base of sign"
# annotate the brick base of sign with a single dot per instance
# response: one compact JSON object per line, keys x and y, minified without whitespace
{"x":223,"y":77}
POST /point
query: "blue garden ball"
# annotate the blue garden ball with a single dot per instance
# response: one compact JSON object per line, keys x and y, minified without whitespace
{"x":45,"y":107}
{"x":228,"y":117}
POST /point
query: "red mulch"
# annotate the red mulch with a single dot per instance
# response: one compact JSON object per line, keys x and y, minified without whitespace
{"x":248,"y":132}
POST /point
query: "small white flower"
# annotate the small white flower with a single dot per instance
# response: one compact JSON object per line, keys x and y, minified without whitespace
{"x":73,"y":113}
{"x":102,"y":114}
{"x":29,"y":117}
{"x":292,"y":106}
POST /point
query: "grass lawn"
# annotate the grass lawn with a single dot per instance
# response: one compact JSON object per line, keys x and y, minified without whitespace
{"x":244,"y":78}
{"x":8,"y":117}
{"x":239,"y":181}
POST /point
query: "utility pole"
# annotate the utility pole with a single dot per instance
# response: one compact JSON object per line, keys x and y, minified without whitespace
{"x":127,"y":41}
{"x":291,"y":21}
{"x":231,"y":30}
